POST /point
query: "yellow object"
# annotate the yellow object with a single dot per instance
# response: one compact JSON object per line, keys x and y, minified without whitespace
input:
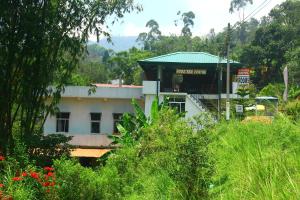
{"x":92,"y":153}
{"x":262,"y":119}
{"x":260,"y":107}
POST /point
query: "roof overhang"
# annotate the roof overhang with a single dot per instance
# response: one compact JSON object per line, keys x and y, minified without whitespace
{"x":89,"y":153}
{"x":186,"y":60}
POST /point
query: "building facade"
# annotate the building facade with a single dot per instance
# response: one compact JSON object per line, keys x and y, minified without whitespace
{"x":90,"y":118}
{"x":192,"y":81}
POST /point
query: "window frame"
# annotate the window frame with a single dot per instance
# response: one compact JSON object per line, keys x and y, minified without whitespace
{"x":177,"y":102}
{"x":65,"y":120}
{"x":98,"y":121}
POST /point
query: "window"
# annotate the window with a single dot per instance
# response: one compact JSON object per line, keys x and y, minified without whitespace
{"x":177,"y":103}
{"x":62,"y":122}
{"x":117,"y":119}
{"x":95,"y":122}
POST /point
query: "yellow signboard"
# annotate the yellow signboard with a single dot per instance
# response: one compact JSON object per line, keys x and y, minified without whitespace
{"x":191,"y":71}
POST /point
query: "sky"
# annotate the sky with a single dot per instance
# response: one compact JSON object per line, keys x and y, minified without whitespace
{"x":208,"y":14}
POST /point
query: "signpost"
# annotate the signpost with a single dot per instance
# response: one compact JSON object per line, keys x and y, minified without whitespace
{"x":243,"y":76}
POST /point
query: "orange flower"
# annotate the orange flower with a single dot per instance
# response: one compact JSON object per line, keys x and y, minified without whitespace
{"x":2,"y":158}
{"x":1,"y":185}
{"x":16,"y":178}
{"x":52,"y":183}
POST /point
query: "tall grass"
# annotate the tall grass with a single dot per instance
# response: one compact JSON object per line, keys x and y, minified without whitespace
{"x":257,"y":161}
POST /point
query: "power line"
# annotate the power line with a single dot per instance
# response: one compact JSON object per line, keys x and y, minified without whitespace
{"x":253,"y":13}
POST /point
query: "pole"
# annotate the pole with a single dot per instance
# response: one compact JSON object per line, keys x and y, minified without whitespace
{"x":219,"y":67}
{"x":228,"y":76}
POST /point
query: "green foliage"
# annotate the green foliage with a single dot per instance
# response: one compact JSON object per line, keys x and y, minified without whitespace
{"x":293,"y":109}
{"x":124,"y":65}
{"x":44,"y":149}
{"x":171,"y":161}
{"x":274,"y":90}
{"x":238,"y":4}
{"x":255,"y":160}
{"x":188,"y":21}
{"x":76,"y":182}
{"x":41,"y":43}
{"x":154,"y":34}
{"x":132,"y":124}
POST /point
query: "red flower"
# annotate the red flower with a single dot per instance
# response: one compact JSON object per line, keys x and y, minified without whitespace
{"x":50,"y":174}
{"x":34,"y":175}
{"x":46,"y":184}
{"x":1,"y":185}
{"x":49,"y":168}
{"x":16,"y":178}
{"x":24,"y":174}
{"x":2,"y":158}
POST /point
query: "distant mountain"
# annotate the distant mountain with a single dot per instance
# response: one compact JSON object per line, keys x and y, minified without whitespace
{"x":119,"y":43}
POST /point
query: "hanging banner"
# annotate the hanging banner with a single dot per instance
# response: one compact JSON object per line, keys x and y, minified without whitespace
{"x":191,"y":71}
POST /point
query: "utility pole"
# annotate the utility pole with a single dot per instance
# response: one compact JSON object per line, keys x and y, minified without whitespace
{"x":228,"y":75}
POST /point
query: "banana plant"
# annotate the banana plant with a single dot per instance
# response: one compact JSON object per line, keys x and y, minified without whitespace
{"x":132,"y":124}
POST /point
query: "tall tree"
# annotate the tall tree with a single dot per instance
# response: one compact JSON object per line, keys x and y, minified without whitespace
{"x":40,"y":45}
{"x":153,"y":35}
{"x":239,"y":5}
{"x":188,"y":22}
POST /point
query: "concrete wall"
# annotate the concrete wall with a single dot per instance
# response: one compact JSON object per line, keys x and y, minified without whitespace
{"x":191,"y":108}
{"x":80,"y":109}
{"x":79,"y":121}
{"x":103,"y":92}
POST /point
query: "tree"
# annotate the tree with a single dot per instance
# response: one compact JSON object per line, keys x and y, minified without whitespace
{"x":188,"y":21}
{"x":40,"y":45}
{"x":153,"y":35}
{"x":239,"y":5}
{"x":275,"y":43}
{"x":125,"y":66}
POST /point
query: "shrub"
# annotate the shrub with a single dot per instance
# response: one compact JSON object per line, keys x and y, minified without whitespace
{"x":170,"y":152}
{"x":45,"y":148}
{"x":293,"y":109}
{"x":75,"y":181}
{"x":256,"y":160}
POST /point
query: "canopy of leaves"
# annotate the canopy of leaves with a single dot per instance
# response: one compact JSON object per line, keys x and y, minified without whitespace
{"x":40,"y":45}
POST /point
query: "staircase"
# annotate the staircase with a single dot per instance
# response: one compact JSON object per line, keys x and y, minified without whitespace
{"x":205,"y":104}
{"x":195,"y":98}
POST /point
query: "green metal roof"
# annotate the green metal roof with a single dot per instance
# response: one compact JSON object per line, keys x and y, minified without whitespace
{"x":191,"y":58}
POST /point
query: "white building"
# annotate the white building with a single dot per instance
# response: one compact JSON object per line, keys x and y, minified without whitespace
{"x":192,"y":81}
{"x":90,"y":118}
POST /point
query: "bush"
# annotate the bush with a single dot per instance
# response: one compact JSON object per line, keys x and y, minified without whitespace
{"x":75,"y":181}
{"x":170,"y":152}
{"x":293,"y":109}
{"x":256,"y":160}
{"x":45,"y":148}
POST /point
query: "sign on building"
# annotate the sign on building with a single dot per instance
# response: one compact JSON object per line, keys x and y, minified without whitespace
{"x":243,"y":76}
{"x":191,"y":71}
